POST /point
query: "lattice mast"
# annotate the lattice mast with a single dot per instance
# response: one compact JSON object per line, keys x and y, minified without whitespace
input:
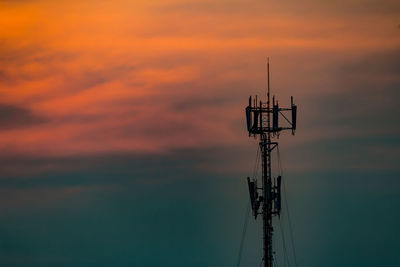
{"x":258,"y":116}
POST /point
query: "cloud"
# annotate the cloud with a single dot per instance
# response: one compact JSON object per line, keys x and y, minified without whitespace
{"x":17,"y":117}
{"x":354,"y":126}
{"x":129,"y":78}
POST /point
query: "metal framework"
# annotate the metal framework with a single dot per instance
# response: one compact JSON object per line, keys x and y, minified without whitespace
{"x":258,"y":117}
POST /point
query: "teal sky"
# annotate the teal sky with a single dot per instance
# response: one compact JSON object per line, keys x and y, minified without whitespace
{"x":123,"y":139}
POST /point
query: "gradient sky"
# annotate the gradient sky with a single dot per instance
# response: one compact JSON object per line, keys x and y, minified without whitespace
{"x":123,"y":138}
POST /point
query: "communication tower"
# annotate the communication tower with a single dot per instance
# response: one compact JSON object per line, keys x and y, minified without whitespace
{"x":268,"y":196}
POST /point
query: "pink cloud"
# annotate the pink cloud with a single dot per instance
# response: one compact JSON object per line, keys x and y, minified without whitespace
{"x":111,"y":79}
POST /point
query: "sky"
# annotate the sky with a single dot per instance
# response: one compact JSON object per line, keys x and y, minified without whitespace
{"x":123,"y":139}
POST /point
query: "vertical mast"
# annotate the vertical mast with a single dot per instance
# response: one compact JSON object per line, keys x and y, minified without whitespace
{"x":265,"y":143}
{"x":267,"y":207}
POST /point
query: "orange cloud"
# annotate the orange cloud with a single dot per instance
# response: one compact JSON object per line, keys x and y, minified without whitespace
{"x":152,"y":77}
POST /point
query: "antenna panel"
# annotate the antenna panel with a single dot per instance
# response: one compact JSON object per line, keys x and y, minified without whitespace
{"x":294,"y":116}
{"x":249,"y":118}
{"x":275,"y":116}
{"x":255,"y":125}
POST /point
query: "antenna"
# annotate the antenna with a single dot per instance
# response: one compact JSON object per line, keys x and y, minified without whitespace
{"x":268,"y":88}
{"x":259,"y":124}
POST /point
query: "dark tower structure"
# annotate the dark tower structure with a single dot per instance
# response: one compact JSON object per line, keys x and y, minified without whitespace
{"x":263,"y":121}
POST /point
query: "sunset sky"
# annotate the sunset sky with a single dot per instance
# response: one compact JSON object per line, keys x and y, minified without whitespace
{"x":123,"y":139}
